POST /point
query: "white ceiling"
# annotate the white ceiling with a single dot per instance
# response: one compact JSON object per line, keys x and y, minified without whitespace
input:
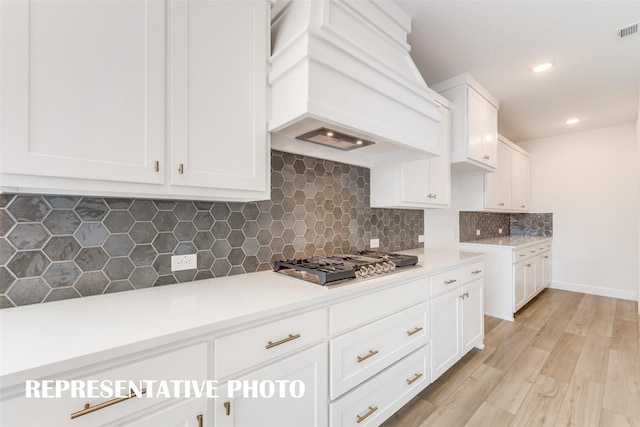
{"x":596,"y":75}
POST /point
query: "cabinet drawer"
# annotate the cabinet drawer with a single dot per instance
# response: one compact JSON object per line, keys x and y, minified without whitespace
{"x":446,"y":281}
{"x":472,"y":272}
{"x":348,"y":314}
{"x":358,"y":355}
{"x":525,"y":253}
{"x":247,"y":348}
{"x":376,"y":400}
{"x":188,"y":363}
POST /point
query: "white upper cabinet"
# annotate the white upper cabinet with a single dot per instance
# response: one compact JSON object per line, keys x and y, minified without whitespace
{"x":474,"y":124}
{"x":135,"y":98}
{"x":520,"y":180}
{"x":497,"y":185}
{"x":83,"y":89}
{"x":417,"y":184}
{"x":218,"y":94}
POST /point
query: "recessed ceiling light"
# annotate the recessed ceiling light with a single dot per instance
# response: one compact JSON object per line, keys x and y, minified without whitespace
{"x":572,"y":121}
{"x":542,"y":67}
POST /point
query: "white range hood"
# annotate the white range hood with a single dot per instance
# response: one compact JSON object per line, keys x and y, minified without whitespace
{"x":342,"y":67}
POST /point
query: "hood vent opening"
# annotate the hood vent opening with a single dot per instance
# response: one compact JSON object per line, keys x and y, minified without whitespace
{"x":629,"y":30}
{"x":334,"y":139}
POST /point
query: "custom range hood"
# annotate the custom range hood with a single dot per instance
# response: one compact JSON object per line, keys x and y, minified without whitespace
{"x":343,"y":85}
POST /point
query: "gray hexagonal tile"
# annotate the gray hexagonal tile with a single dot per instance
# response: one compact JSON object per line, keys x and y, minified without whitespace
{"x":288,"y":204}
{"x":264,"y":237}
{"x":118,"y":203}
{"x":236,"y":238}
{"x":143,"y":210}
{"x":277,"y":212}
{"x":165,"y":242}
{"x":277,"y":163}
{"x":299,"y":228}
{"x":28,"y":236}
{"x":250,"y":211}
{"x":185,"y":275}
{"x":6,"y":280}
{"x":236,"y":221}
{"x":6,"y":222}
{"x":143,"y":277}
{"x":165,"y":221}
{"x":60,"y":294}
{"x":162,"y":264}
{"x":288,"y":252}
{"x":264,"y":205}
{"x":91,"y":209}
{"x":5,"y":302}
{"x":221,"y":267}
{"x":61,"y":274}
{"x":91,"y":234}
{"x":276,"y":245}
{"x":165,"y":280}
{"x":143,"y":232}
{"x":204,"y":274}
{"x":118,"y":268}
{"x":277,"y":228}
{"x":28,"y":264}
{"x":288,"y":220}
{"x":62,"y":202}
{"x":250,"y":247}
{"x":221,"y":249}
{"x":185,"y":248}
{"x":90,"y":259}
{"x":92,"y":283}
{"x":220,"y":211}
{"x":118,"y":221}
{"x":277,"y":195}
{"x":250,"y":264}
{"x":165,"y":205}
{"x":203,"y":220}
{"x":118,"y":245}
{"x":221,"y":230}
{"x":28,"y":291}
{"x":288,"y":236}
{"x":205,"y":260}
{"x":185,"y":210}
{"x":251,"y":229}
{"x":143,"y":255}
{"x":264,"y":254}
{"x":184,"y":231}
{"x":62,"y":221}
{"x":6,"y":251}
{"x":5,"y":199}
{"x":203,"y":240}
{"x":28,"y":209}
{"x":118,"y":286}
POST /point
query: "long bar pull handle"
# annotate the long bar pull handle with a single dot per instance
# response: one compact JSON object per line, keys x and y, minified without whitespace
{"x":200,"y":419}
{"x":89,"y":409}
{"x":414,"y":379}
{"x":282,"y":341}
{"x":227,"y":407}
{"x":371,"y":353}
{"x":415,"y":331}
{"x":476,"y":272}
{"x":450,"y":281}
{"x":361,"y":418}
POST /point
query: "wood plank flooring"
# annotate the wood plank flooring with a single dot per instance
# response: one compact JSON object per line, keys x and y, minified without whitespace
{"x":569,"y":359}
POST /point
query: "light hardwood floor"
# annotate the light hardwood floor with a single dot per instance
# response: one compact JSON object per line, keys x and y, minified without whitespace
{"x":568,"y":359}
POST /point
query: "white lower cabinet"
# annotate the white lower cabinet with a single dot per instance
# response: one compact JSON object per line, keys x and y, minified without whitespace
{"x":379,"y":398}
{"x":446,"y":341}
{"x":188,"y":413}
{"x":290,"y":392}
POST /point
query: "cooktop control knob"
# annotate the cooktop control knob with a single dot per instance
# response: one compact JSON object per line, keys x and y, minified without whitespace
{"x":392,"y":265}
{"x":362,"y":272}
{"x":385,"y":267}
{"x":379,"y":268}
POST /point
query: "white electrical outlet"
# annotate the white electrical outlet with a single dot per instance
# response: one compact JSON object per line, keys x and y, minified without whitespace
{"x":420,"y":238}
{"x":184,"y":262}
{"x":374,"y":243}
{"x":477,"y":232}
{"x":499,"y":230}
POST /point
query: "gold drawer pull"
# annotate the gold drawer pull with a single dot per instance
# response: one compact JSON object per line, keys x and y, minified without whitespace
{"x":546,"y":257}
{"x":486,"y":157}
{"x":89,"y":409}
{"x":371,"y":353}
{"x":476,"y":272}
{"x":415,"y":331}
{"x":361,"y":418}
{"x":450,"y":281}
{"x":181,"y":168}
{"x":227,"y":408}
{"x":156,"y":166}
{"x":414,"y":379}
{"x":200,"y":420}
{"x":528,"y":265}
{"x":282,"y":341}
{"x":522,"y":255}
{"x":500,"y":204}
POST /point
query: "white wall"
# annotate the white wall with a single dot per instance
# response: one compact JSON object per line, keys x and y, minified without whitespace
{"x":589,"y":180}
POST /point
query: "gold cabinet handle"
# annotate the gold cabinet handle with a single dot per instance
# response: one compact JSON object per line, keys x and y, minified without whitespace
{"x":181,"y":169}
{"x":465,"y":295}
{"x":522,"y":255}
{"x":450,"y":281}
{"x":522,"y":206}
{"x":415,"y":331}
{"x":282,"y":341}
{"x":528,"y":265}
{"x":476,"y":272}
{"x":546,"y":257}
{"x":227,"y":407}
{"x":89,"y":409}
{"x":500,"y":204}
{"x":156,"y":166}
{"x":371,"y":353}
{"x":361,"y":418}
{"x":414,"y":379}
{"x":432,"y":196}
{"x":200,"y":420}
{"x":486,"y":157}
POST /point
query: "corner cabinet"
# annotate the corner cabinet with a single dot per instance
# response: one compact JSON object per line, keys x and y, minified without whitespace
{"x":418,"y":184}
{"x":474,"y":124}
{"x":100,"y":118}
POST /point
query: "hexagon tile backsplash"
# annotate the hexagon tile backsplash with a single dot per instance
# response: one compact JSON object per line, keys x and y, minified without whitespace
{"x":60,"y":247}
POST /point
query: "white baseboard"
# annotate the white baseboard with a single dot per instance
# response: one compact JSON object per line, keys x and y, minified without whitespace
{"x":594,"y":290}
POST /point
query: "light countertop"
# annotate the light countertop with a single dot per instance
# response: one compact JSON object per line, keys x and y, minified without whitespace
{"x":63,"y":335}
{"x":508,"y":241}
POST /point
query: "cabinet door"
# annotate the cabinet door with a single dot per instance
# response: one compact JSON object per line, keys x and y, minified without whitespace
{"x":472,"y":315}
{"x":490,"y":135}
{"x":190,"y":413}
{"x":83,"y":89}
{"x":498,"y":183}
{"x":218,"y":94}
{"x":519,"y":280}
{"x":445,"y":334}
{"x":415,"y":181}
{"x":520,"y":178}
{"x":546,"y":262}
{"x":440,"y":167}
{"x":232,"y":408}
{"x":476,"y":116}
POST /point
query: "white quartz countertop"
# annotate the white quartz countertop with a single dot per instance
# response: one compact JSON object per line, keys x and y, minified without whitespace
{"x":509,"y":241}
{"x":62,"y":335}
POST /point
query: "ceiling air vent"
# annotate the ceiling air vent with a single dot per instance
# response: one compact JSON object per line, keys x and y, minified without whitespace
{"x":629,"y":30}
